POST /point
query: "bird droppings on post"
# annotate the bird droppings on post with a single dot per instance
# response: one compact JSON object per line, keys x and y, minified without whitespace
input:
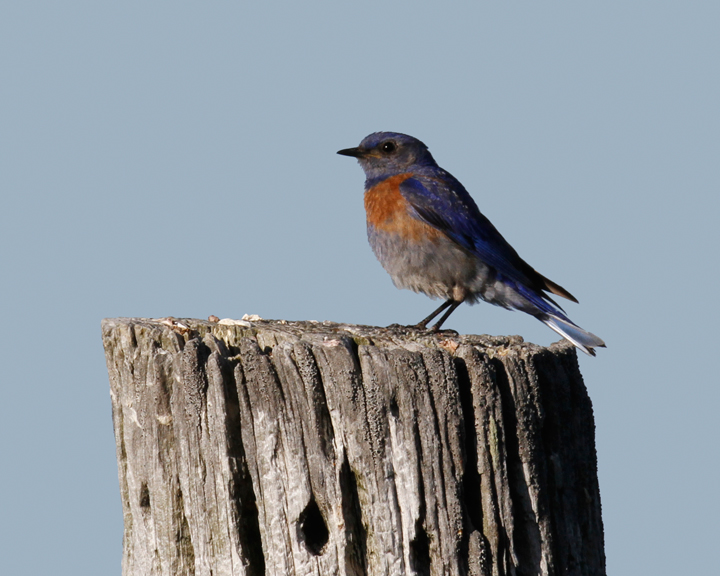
{"x":251,"y":317}
{"x":230,"y":322}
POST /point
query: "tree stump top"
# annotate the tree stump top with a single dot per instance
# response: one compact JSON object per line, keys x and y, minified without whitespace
{"x":269,"y":333}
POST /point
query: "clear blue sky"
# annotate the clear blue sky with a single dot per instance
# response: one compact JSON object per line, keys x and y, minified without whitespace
{"x":175,"y":158}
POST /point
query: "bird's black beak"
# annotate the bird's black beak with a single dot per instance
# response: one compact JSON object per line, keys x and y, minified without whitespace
{"x":354,"y":152}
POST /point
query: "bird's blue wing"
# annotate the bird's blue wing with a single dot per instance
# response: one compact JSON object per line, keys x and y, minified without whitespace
{"x":442,"y":202}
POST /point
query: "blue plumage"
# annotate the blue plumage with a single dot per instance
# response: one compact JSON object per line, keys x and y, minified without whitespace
{"x":430,"y":236}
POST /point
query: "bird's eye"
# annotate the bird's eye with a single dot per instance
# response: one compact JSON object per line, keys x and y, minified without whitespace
{"x":388,"y":147}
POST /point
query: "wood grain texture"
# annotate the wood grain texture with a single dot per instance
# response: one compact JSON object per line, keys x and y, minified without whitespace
{"x":297,"y":448}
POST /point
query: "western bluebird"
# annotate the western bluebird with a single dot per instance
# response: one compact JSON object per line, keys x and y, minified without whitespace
{"x":429,"y":235}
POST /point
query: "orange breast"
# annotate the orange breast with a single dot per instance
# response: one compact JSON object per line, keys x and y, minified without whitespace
{"x":387,"y":211}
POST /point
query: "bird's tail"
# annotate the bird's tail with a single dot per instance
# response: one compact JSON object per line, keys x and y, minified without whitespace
{"x":584,"y":340}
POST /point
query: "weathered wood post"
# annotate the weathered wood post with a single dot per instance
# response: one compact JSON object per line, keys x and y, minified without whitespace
{"x":290,"y":448}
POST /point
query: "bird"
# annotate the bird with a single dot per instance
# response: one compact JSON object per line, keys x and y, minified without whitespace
{"x":430,"y":236}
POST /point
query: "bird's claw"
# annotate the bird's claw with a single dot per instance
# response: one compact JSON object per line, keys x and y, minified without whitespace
{"x":446,"y":331}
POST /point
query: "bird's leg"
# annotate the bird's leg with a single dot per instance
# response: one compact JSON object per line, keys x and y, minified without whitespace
{"x":423,"y":323}
{"x":453,"y":306}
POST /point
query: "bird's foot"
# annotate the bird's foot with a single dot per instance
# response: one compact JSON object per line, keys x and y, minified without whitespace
{"x":397,"y":326}
{"x":421,"y":327}
{"x":446,"y":331}
{"x":435,"y":329}
{"x":405,"y":327}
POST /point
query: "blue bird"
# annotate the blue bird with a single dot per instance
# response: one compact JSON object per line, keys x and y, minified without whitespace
{"x":430,"y":236}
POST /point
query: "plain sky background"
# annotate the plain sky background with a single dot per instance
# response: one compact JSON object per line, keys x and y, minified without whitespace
{"x":177,"y":158}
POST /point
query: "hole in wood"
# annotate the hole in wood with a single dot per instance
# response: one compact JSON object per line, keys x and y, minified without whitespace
{"x":394,"y":409}
{"x":420,"y":552}
{"x":144,"y":496}
{"x":312,"y":528}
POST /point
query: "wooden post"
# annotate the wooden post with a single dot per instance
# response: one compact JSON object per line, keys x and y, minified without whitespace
{"x":288,"y":448}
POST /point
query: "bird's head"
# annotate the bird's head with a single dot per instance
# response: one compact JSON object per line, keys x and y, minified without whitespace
{"x":384,"y":154}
